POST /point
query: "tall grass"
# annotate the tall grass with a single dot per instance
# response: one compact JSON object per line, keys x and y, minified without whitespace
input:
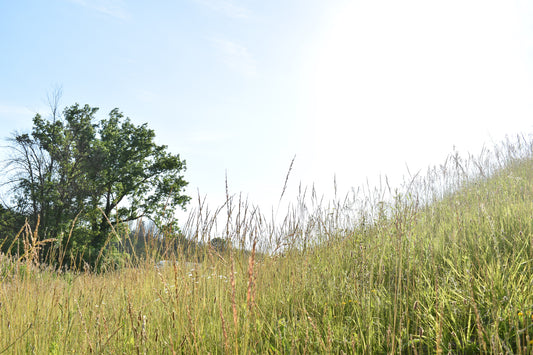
{"x":441,"y":264}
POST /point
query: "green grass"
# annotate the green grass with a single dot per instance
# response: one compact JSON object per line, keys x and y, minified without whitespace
{"x":442,"y":265}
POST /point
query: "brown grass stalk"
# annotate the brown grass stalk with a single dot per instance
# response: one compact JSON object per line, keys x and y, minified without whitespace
{"x":250,"y":295}
{"x":224,"y":332}
{"x":233,"y":301}
{"x":86,"y":331}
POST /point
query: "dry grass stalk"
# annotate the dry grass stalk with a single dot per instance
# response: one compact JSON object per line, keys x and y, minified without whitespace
{"x":250,"y":295}
{"x":32,"y":244}
{"x":224,"y":332}
{"x":192,"y":330}
{"x":233,"y":301}
{"x":86,"y":331}
{"x":62,"y":257}
{"x":133,"y":327}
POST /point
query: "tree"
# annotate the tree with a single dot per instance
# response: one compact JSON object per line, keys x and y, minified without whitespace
{"x":219,"y":244}
{"x":100,"y":173}
{"x":10,"y":225}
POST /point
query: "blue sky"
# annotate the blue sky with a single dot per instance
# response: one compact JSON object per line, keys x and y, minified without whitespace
{"x":354,"y":88}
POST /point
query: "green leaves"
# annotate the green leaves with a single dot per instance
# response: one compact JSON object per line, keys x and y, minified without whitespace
{"x":75,"y":165}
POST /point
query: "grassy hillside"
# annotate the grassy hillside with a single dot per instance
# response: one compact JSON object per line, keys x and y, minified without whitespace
{"x":442,"y":266}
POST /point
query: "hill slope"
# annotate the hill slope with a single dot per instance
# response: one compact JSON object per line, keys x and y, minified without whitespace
{"x":453,"y":275}
{"x":438,"y":268}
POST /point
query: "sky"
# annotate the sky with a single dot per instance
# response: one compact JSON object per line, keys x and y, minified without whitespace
{"x":346,"y":90}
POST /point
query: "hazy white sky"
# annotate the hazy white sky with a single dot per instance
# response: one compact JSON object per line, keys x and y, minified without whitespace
{"x":352,"y":88}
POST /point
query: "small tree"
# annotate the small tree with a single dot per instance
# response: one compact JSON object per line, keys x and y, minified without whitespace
{"x":100,"y":173}
{"x":219,"y":244}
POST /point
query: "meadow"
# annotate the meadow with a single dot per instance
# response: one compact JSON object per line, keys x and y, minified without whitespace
{"x":441,"y":264}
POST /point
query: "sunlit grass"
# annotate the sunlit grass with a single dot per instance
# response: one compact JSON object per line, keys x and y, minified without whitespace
{"x":442,"y":264}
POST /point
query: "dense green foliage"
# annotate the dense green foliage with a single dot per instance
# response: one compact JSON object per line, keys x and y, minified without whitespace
{"x":78,"y":178}
{"x":434,"y":269}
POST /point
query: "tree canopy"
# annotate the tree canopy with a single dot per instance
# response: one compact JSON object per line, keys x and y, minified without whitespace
{"x":72,"y":167}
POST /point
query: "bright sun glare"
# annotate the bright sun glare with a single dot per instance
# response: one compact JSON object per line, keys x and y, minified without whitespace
{"x":397,"y":83}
